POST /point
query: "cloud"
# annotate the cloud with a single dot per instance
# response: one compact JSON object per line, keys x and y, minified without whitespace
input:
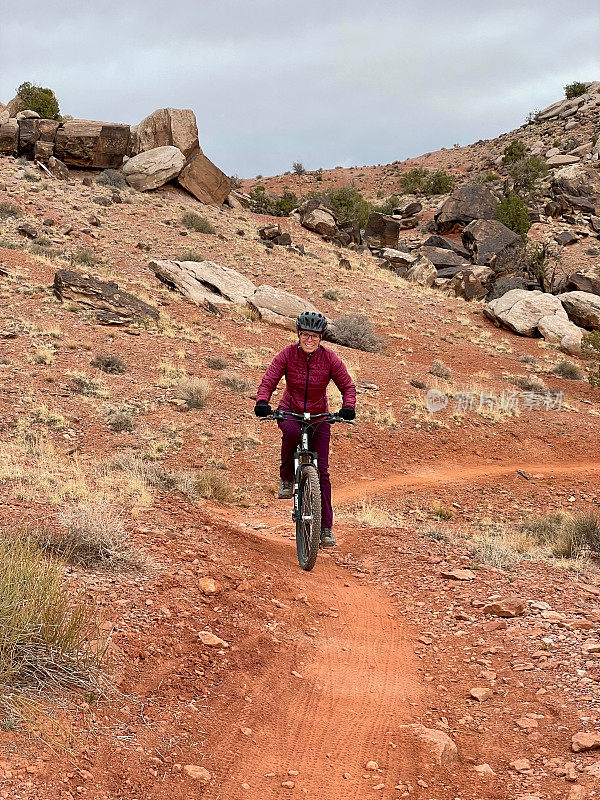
{"x":322,"y":82}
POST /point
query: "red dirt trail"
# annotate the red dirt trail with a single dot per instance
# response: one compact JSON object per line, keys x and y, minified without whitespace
{"x":341,"y":708}
{"x":458,"y":474}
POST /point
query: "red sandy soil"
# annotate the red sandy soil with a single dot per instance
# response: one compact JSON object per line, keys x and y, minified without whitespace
{"x":321,"y":669}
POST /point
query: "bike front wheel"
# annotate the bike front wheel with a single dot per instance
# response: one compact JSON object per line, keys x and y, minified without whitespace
{"x":308,"y":519}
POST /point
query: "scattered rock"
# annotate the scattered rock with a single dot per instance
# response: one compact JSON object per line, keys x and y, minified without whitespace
{"x":111,"y":304}
{"x":585,"y":740}
{"x":382,"y":231}
{"x":458,"y":574}
{"x":210,"y":640}
{"x":507,"y":607}
{"x":200,"y":774}
{"x":480,"y":694}
{"x":434,"y":744}
{"x":209,"y":586}
{"x":278,"y":307}
{"x":422,"y":272}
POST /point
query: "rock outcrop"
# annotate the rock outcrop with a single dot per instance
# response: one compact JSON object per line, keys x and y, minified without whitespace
{"x":154,"y":168}
{"x":202,"y":281}
{"x":492,"y":244}
{"x":87,"y":144}
{"x":279,"y":307}
{"x":468,"y":203}
{"x":174,"y":127}
{"x":111,"y":304}
{"x":205,"y":181}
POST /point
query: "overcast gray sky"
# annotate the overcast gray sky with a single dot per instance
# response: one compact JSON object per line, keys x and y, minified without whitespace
{"x":325,"y":82}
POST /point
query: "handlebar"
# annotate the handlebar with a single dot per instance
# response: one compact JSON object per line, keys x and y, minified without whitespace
{"x":326,"y":416}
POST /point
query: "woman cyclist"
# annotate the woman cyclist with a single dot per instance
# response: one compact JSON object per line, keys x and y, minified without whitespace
{"x":308,"y":367}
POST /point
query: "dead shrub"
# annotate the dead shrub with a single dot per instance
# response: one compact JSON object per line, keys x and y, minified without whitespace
{"x":568,"y":370}
{"x":356,"y":331}
{"x":83,"y":384}
{"x":108,"y":363}
{"x":94,"y":536}
{"x":194,"y":391}
{"x":216,"y":362}
{"x":236,"y":384}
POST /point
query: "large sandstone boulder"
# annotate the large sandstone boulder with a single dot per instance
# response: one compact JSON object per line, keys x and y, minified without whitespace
{"x":4,"y":117}
{"x":279,"y":307}
{"x":202,"y":281}
{"x":154,"y":168}
{"x":442,"y":258}
{"x":584,"y":281}
{"x":422,"y":272}
{"x":521,"y":311}
{"x":32,"y":130}
{"x":84,"y":143}
{"x":382,"y":231}
{"x":320,"y":220}
{"x":492,"y":244}
{"x":204,"y":180}
{"x":166,"y":126}
{"x":558,"y":330}
{"x":464,"y":205}
{"x":9,"y":137}
{"x":582,"y":308}
{"x":111,"y":305}
{"x":577,"y":181}
{"x":472,"y":283}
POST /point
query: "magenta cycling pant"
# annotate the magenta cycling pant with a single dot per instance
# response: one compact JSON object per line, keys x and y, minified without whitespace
{"x":318,"y":442}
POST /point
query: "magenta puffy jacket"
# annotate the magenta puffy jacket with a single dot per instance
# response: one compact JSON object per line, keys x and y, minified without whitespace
{"x":306,"y":379}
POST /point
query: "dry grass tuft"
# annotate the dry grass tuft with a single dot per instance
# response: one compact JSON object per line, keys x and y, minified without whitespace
{"x":90,"y":387}
{"x":194,"y":391}
{"x":236,"y":384}
{"x":44,"y":629}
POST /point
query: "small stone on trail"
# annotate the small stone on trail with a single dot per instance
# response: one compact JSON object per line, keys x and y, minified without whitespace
{"x":585,"y":740}
{"x":209,"y":586}
{"x":200,"y":774}
{"x":484,"y":769}
{"x":372,"y":765}
{"x":210,"y":640}
{"x":480,"y":693}
{"x":458,"y":574}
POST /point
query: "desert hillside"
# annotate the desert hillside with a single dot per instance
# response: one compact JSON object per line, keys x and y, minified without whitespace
{"x":449,"y":645}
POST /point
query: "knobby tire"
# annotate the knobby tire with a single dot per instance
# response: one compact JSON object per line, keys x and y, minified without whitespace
{"x":308,"y":532}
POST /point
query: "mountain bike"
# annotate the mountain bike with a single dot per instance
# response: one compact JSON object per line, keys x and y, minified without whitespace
{"x":306,"y":511}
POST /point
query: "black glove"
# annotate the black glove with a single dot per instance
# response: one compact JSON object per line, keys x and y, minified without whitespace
{"x":262,"y":409}
{"x":347,"y":412}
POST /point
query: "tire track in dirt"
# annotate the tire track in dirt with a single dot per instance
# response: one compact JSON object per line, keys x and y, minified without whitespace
{"x":358,"y":680}
{"x":459,"y":474}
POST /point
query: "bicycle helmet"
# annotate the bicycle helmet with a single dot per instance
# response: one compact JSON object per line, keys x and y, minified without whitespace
{"x":311,"y":321}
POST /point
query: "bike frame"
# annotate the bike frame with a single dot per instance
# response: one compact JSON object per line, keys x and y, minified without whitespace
{"x":302,"y":454}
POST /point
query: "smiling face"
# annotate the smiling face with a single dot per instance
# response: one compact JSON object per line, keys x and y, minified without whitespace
{"x":309,"y":341}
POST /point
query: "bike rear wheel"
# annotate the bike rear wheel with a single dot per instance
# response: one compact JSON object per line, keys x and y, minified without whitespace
{"x":308,"y":520}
